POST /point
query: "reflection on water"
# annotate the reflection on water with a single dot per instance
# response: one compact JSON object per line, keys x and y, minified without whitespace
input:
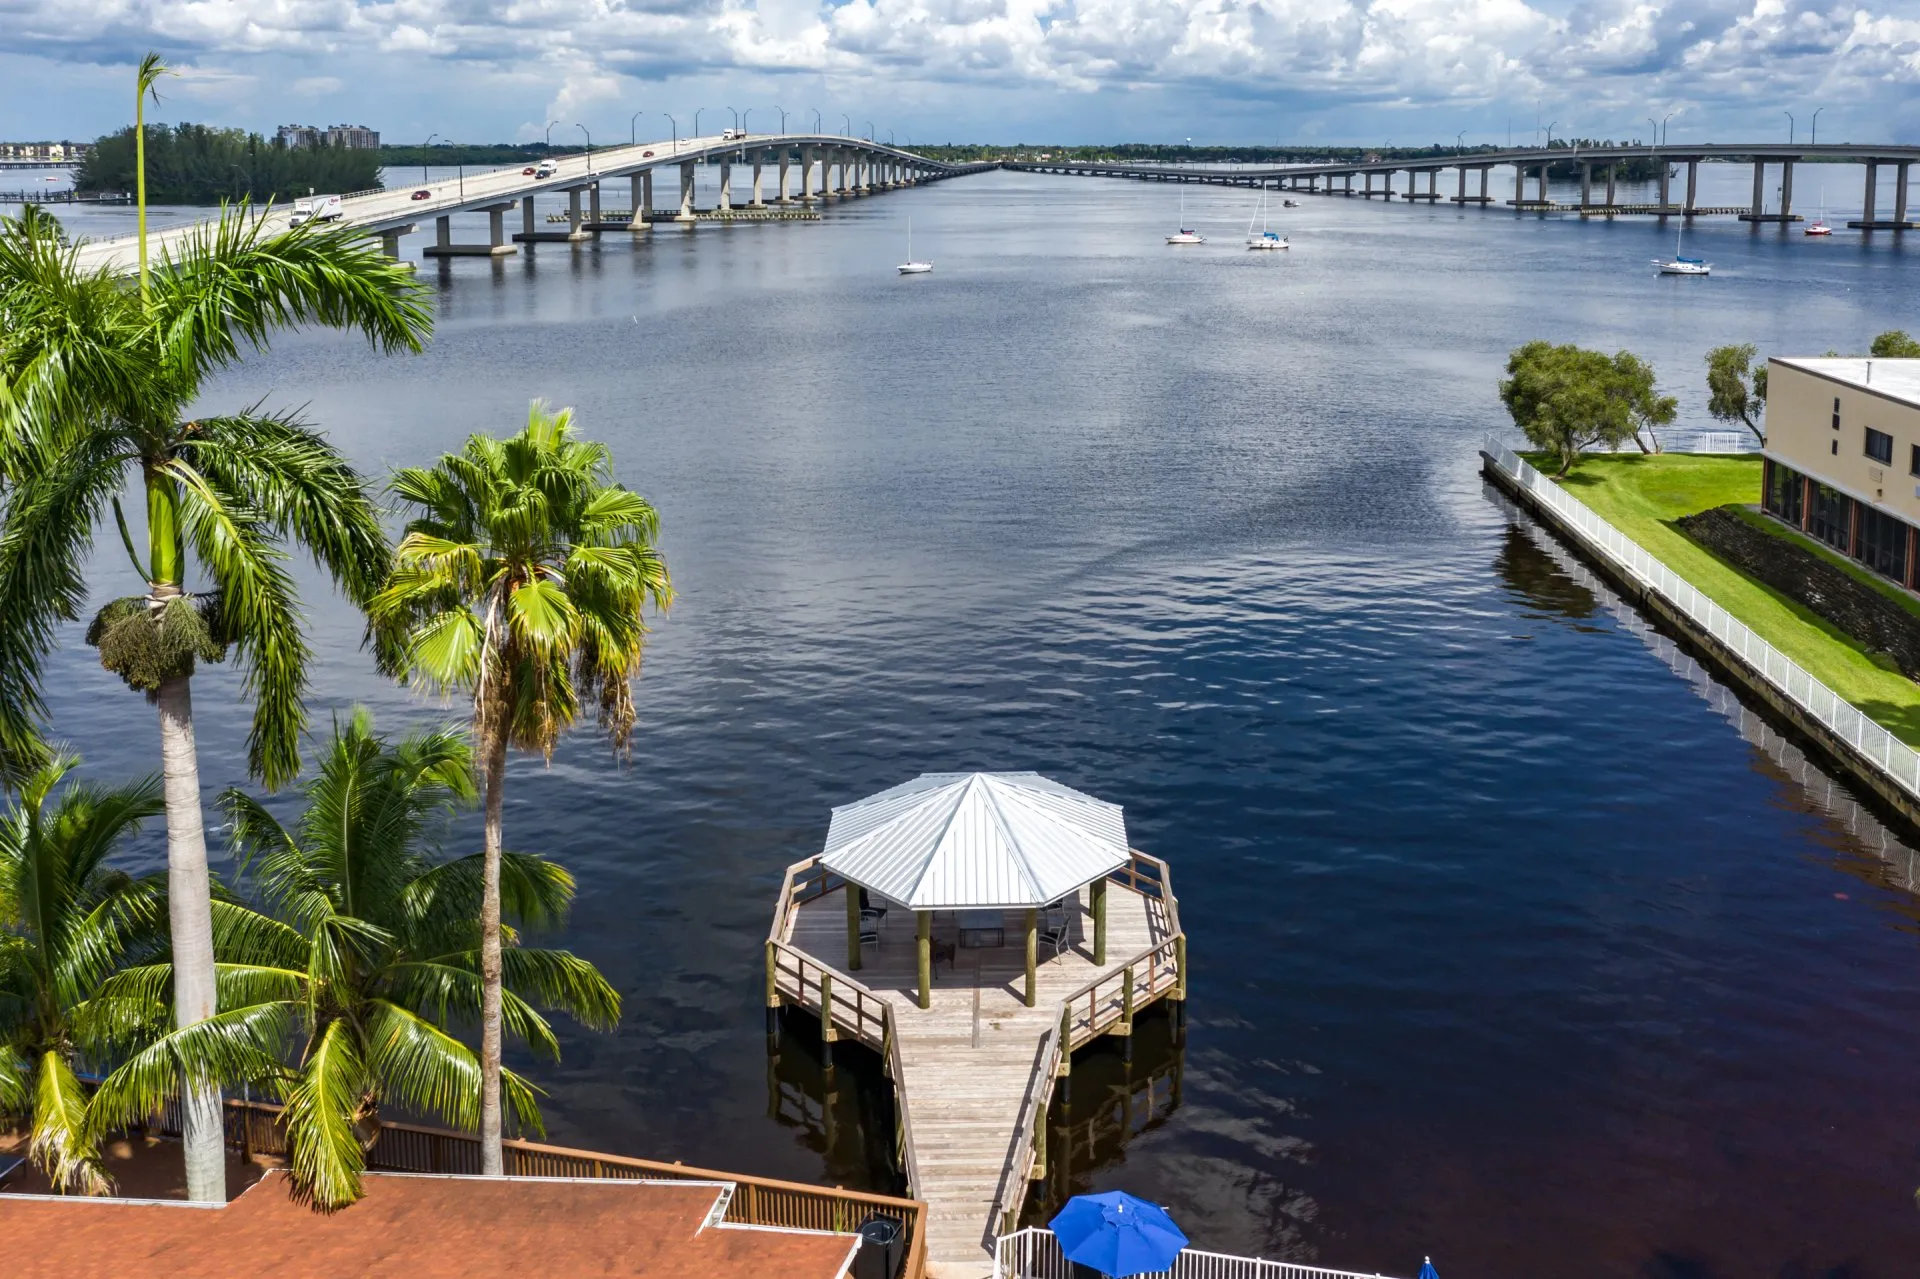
{"x":843,"y":1111}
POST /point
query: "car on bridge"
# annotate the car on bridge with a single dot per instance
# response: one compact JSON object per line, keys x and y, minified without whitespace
{"x":421,"y":194}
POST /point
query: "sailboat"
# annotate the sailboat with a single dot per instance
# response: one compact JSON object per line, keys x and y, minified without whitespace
{"x":1819,"y":225}
{"x":1682,"y":265}
{"x":911,"y":267}
{"x":1187,"y":235}
{"x":1266,"y":239}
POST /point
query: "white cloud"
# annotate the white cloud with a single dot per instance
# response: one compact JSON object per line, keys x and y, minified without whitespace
{"x":1604,"y":58}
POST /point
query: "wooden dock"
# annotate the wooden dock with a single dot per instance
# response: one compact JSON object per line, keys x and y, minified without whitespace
{"x":974,"y":1073}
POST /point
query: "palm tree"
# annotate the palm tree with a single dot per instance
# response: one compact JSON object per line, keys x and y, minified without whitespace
{"x":522,"y":582}
{"x":95,"y":385}
{"x":66,"y":920}
{"x":339,"y":996}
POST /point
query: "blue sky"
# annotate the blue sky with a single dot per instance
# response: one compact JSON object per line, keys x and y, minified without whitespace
{"x":1405,"y":71}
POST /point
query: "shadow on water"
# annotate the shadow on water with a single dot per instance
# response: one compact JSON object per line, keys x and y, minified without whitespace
{"x":843,"y":1112}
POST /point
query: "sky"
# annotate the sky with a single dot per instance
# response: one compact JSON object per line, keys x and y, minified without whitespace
{"x":1404,"y":72}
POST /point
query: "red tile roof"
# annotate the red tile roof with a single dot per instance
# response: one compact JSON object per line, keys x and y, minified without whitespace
{"x":415,"y":1227}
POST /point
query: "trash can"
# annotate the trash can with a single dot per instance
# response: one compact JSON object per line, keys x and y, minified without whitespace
{"x":883,"y":1249}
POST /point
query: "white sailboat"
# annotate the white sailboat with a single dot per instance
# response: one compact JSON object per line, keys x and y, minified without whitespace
{"x":1265,"y":239}
{"x":911,"y":267}
{"x":1186,"y":235}
{"x":1679,"y":265}
{"x":1819,"y":225}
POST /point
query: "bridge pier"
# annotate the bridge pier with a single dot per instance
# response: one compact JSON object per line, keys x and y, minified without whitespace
{"x":785,"y":162}
{"x":758,"y":201}
{"x":497,"y":246}
{"x":1693,"y":185}
{"x":1758,"y":213}
{"x":1869,"y":219}
{"x":726,"y":183}
{"x":806,"y":175}
{"x":390,"y":240}
{"x":641,"y":184}
{"x":1432,"y":193}
{"x":686,"y":194}
{"x":1613,"y":173}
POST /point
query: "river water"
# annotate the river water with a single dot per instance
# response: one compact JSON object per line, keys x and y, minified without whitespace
{"x":1508,"y":946}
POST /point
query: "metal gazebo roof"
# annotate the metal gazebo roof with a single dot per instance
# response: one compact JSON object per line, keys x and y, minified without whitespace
{"x":947,"y":841}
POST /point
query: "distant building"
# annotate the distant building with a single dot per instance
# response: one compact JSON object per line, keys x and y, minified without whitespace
{"x":1843,"y":457}
{"x":48,"y":152}
{"x":354,"y":137}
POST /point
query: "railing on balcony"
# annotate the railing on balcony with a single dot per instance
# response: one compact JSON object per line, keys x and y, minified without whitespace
{"x":1036,"y":1254}
{"x":255,"y":1128}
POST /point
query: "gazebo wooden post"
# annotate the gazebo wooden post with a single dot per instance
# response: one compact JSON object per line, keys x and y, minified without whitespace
{"x":1033,"y":956}
{"x":852,"y":891}
{"x":923,"y":930}
{"x":1098,"y":892}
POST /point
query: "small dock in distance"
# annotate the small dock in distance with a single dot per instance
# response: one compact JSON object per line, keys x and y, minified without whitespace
{"x":974,"y":1071}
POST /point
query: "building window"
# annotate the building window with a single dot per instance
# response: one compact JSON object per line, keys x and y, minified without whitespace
{"x":1883,"y":543}
{"x":1785,"y":493}
{"x":1879,"y":446}
{"x":1836,"y":412}
{"x":1832,"y":518}
{"x":1834,"y":447}
{"x":1915,"y":468}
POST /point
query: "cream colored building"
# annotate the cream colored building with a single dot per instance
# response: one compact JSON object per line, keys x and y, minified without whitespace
{"x":1843,"y":457}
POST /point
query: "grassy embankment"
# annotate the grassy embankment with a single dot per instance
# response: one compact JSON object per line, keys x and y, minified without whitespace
{"x":1642,"y":496}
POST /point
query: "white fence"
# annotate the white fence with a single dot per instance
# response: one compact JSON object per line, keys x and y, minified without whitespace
{"x":1035,"y":1254}
{"x":1873,"y":743}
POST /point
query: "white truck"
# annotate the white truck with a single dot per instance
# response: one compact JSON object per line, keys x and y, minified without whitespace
{"x":546,"y":169}
{"x":317,"y":208}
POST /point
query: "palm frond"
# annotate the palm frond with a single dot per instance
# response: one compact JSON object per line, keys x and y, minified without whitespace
{"x":234,"y":1046}
{"x":63,"y":1144}
{"x":324,"y":1102}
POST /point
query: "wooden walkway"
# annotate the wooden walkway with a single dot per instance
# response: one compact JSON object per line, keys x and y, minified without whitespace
{"x":973,"y":1071}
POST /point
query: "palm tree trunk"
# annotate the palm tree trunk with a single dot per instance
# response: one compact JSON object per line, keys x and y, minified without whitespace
{"x":492,"y":1157}
{"x":190,"y":913}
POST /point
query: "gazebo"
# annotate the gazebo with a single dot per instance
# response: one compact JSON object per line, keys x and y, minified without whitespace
{"x":979,"y":845}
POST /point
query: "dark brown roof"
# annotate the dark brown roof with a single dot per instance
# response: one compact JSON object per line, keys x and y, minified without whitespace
{"x":415,"y":1227}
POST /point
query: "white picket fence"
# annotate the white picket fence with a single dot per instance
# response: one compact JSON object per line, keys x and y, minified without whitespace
{"x":1035,"y":1254}
{"x":1873,"y":743}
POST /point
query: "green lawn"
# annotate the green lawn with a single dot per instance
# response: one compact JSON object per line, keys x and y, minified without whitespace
{"x":1642,"y":495}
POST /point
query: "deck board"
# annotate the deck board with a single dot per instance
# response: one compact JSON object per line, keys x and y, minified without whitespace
{"x":968,"y":1063}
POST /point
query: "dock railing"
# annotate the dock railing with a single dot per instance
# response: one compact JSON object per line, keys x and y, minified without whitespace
{"x":256,"y":1128}
{"x":1109,"y":1000}
{"x":1873,"y":744}
{"x":1036,"y":1254}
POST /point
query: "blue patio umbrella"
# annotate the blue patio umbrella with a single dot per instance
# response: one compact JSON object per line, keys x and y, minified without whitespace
{"x":1117,"y":1234}
{"x":1428,"y":1272}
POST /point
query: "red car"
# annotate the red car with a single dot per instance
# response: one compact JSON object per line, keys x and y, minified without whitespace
{"x":422,"y":194}
{"x":646,"y":155}
{"x":527,"y":172}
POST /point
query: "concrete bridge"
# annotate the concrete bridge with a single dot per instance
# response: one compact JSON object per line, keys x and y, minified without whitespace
{"x":1602,"y":163}
{"x":782,"y":172}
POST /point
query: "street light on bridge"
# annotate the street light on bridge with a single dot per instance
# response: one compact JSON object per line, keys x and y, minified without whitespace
{"x":583,"y":129}
{"x":736,"y":118}
{"x":848,"y":121}
{"x":423,"y":163}
{"x":783,"y":120}
{"x":1550,"y":135}
{"x":869,"y":130}
{"x":745,"y":116}
{"x":676,"y":132}
{"x":1663,"y":126}
{"x":1789,"y":116}
{"x":633,"y":130}
{"x":1815,"y":139}
{"x":696,"y":120}
{"x":816,"y":120}
{"x":550,"y":125}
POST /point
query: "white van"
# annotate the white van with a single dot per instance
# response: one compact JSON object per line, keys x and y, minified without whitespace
{"x":732,"y":135}
{"x":546,"y":169}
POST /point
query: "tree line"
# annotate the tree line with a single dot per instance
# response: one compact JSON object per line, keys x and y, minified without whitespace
{"x":202,"y":164}
{"x":342,"y":968}
{"x":1566,"y":399}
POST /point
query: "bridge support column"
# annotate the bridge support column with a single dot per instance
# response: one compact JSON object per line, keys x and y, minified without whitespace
{"x":1786,"y":190}
{"x":1543,"y":184}
{"x":496,"y":246}
{"x":390,"y":240}
{"x":1900,"y":192}
{"x":641,"y":187}
{"x":1693,"y":186}
{"x":726,"y":184}
{"x":1586,"y":185}
{"x":1485,"y":170}
{"x":1519,"y":185}
{"x":1666,"y":186}
{"x":593,"y":208}
{"x":865,"y":172}
{"x":1613,"y":171}
{"x":686,"y":193}
{"x":785,"y":164}
{"x":759,"y":201}
{"x":806,"y":175}
{"x":1759,"y":188}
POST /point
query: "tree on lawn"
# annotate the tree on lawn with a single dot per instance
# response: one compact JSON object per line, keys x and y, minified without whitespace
{"x":1567,"y":399}
{"x":1895,"y":344}
{"x":1737,"y":385}
{"x":522,"y":582}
